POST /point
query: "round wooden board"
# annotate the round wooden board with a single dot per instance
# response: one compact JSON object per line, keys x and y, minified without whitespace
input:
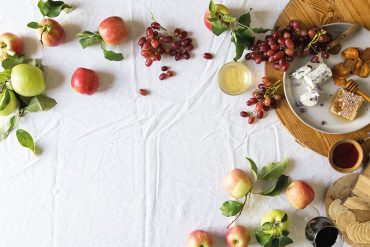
{"x":341,"y":189}
{"x":319,"y":12}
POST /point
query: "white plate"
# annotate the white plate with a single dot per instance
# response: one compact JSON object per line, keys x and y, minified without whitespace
{"x":319,"y":116}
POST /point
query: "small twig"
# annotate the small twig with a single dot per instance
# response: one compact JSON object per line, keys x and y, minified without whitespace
{"x":242,"y":25}
{"x":241,"y":211}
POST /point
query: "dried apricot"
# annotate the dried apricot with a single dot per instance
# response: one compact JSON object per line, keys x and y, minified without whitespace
{"x":339,"y":81}
{"x":340,"y":71}
{"x":363,"y":71}
{"x":351,"y":53}
{"x":350,"y":64}
{"x":365,"y":56}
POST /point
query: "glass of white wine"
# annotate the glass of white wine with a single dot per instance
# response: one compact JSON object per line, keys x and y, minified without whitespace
{"x":234,"y":78}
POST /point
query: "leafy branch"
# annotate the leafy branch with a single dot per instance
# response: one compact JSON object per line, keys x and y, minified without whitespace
{"x":52,"y":8}
{"x":88,"y":38}
{"x":272,"y":173}
{"x":26,"y":104}
{"x":49,"y":8}
{"x":242,"y":34}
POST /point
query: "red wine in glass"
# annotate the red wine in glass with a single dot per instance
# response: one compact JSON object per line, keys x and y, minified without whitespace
{"x":322,"y":232}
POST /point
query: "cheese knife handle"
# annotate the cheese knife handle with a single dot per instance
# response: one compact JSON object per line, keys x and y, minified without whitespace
{"x":348,"y":32}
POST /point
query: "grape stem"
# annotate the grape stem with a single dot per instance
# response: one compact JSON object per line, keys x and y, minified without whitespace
{"x":272,"y":89}
{"x":315,"y":39}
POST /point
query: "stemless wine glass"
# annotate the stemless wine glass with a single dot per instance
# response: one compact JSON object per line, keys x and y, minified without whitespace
{"x":322,"y":232}
{"x":234,"y":78}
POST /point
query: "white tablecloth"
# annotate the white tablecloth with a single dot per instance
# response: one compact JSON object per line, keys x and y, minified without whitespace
{"x":120,"y":169}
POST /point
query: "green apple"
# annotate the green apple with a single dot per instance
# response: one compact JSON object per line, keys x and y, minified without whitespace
{"x":13,"y":103}
{"x":27,"y":80}
{"x":275,"y":217}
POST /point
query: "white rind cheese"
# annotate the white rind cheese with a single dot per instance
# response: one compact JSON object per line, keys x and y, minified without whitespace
{"x":301,"y":72}
{"x":318,"y":75}
{"x":310,"y":98}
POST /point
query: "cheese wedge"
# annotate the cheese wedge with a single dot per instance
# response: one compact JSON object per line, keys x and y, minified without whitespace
{"x":362,"y":188}
{"x":355,"y":202}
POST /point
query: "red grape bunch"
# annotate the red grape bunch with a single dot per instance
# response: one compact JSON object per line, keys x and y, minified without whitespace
{"x":264,"y":97}
{"x":280,"y":47}
{"x":158,"y":41}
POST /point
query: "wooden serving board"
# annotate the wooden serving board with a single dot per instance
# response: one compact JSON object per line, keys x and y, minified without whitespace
{"x":341,"y":189}
{"x":319,"y":12}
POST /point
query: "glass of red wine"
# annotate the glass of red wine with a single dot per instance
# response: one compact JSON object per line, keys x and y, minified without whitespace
{"x":322,"y":232}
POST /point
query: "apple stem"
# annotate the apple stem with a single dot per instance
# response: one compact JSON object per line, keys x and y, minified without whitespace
{"x":42,"y":34}
{"x":21,"y":112}
{"x":2,"y":45}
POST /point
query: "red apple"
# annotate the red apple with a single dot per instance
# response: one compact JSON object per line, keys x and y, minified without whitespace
{"x":199,"y":238}
{"x":10,"y":42}
{"x":113,"y":30}
{"x":220,"y":9}
{"x":53,"y":35}
{"x":85,"y":81}
{"x":237,"y":183}
{"x":238,"y":236}
{"x":300,"y":194}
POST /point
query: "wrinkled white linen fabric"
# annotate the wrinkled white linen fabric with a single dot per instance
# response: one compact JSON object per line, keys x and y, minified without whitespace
{"x":122,"y":170}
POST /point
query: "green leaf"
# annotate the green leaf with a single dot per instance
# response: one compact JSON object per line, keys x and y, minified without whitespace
{"x":253,"y":167}
{"x":13,"y":121}
{"x":242,"y":38}
{"x":52,"y":8}
{"x":212,"y":7}
{"x":261,"y":30}
{"x":88,"y":38}
{"x":86,"y":33}
{"x":267,"y":226}
{"x":85,"y":42}
{"x":218,"y":27}
{"x":111,"y":55}
{"x":11,"y":61}
{"x":4,"y":75}
{"x":278,"y":186}
{"x":231,"y":208}
{"x":5,"y":99}
{"x":285,"y":218}
{"x":24,"y":99}
{"x":40,"y":103}
{"x":263,"y":238}
{"x":246,"y":36}
{"x":33,"y":25}
{"x":211,"y":19}
{"x":5,"y":129}
{"x":228,"y":18}
{"x":283,"y":241}
{"x":285,"y":233}
{"x":273,"y":171}
{"x":239,"y":49}
{"x":275,"y":242}
{"x":25,"y":139}
{"x":245,"y":19}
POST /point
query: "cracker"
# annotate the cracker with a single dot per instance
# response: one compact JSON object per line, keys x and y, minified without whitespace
{"x":345,"y":218}
{"x":334,"y":208}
